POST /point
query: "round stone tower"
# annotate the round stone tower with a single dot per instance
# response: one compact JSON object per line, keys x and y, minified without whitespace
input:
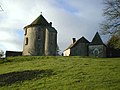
{"x":40,"y":38}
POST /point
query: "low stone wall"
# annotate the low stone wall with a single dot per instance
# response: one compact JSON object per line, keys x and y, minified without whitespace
{"x":13,"y":53}
{"x":113,"y":52}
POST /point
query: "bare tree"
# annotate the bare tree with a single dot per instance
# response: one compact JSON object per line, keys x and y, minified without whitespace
{"x":1,"y":53}
{"x":112,"y":14}
{"x":1,"y":9}
{"x":57,"y":51}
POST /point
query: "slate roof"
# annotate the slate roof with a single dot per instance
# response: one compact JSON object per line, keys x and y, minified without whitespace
{"x":39,"y":21}
{"x":81,"y":40}
{"x":97,"y":40}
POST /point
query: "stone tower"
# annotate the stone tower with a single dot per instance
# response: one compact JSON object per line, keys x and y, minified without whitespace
{"x":40,"y":38}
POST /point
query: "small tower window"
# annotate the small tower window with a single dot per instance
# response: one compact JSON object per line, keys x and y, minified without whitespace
{"x":26,"y":41}
{"x":39,"y":38}
{"x":25,"y":31}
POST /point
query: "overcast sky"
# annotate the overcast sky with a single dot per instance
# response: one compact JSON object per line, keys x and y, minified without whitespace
{"x":71,"y":18}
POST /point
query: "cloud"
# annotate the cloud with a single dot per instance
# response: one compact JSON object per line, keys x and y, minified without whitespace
{"x":71,"y":18}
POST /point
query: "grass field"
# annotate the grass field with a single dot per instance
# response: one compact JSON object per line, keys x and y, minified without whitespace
{"x":59,"y":73}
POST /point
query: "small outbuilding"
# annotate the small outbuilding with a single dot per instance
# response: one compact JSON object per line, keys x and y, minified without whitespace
{"x":13,"y":53}
{"x":77,"y":48}
{"x":83,"y":47}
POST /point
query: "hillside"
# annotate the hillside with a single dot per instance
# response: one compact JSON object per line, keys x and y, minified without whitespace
{"x":59,"y":73}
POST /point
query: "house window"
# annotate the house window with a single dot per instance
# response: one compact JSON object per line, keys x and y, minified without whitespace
{"x":25,"y":31}
{"x":26,"y":41}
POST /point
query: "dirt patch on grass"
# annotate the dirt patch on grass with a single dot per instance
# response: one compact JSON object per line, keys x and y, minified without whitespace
{"x":13,"y":77}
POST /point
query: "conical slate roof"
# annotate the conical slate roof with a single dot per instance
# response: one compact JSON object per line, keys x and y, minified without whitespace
{"x":40,"y":21}
{"x":97,"y":40}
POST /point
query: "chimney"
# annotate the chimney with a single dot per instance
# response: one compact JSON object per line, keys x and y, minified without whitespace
{"x":51,"y":24}
{"x":73,"y":40}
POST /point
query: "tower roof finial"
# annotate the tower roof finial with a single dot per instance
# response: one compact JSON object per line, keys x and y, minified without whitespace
{"x":40,"y":13}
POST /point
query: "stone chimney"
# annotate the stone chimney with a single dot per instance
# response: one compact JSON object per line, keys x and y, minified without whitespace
{"x":73,"y":40}
{"x":51,"y":24}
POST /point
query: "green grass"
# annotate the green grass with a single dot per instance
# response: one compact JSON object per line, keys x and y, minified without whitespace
{"x":59,"y":73}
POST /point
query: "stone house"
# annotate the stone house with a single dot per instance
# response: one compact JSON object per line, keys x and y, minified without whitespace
{"x":83,"y":47}
{"x":77,"y":48}
{"x":40,"y":38}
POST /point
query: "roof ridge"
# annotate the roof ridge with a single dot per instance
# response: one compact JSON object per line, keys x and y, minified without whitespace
{"x":81,"y":40}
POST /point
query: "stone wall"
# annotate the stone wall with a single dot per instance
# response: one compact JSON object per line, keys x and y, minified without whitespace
{"x":41,"y":41}
{"x":111,"y":52}
{"x":35,"y":44}
{"x":97,"y":51}
{"x":13,"y":53}
{"x":81,"y":49}
{"x":50,"y":42}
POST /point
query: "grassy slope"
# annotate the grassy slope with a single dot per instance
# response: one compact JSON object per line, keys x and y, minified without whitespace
{"x":60,"y":73}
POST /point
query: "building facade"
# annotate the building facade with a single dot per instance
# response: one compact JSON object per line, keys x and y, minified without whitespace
{"x":83,"y":47}
{"x":77,"y":48}
{"x":97,"y":48}
{"x":40,"y":38}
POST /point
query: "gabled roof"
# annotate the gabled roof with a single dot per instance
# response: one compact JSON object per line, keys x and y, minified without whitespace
{"x":81,"y":40}
{"x":97,"y":40}
{"x":39,"y":21}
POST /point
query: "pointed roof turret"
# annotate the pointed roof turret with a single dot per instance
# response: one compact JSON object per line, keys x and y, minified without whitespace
{"x":39,"y":21}
{"x":97,"y":40}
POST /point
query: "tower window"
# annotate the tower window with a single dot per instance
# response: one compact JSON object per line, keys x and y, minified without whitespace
{"x":26,"y":41}
{"x":25,"y":31}
{"x":39,"y":38}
